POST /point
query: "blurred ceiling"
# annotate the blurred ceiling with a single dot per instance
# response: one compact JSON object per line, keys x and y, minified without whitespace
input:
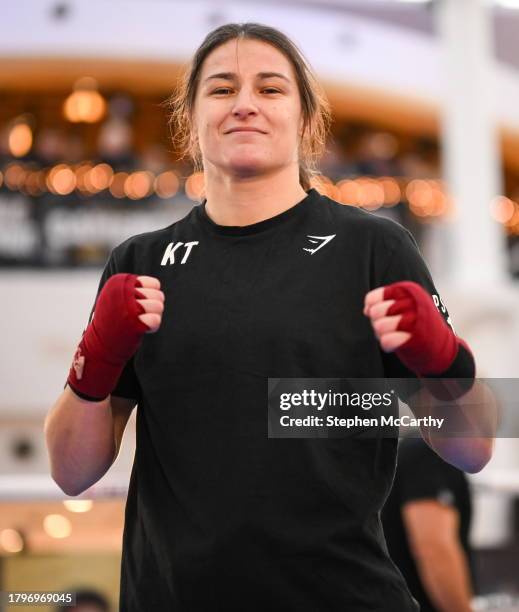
{"x":420,"y":17}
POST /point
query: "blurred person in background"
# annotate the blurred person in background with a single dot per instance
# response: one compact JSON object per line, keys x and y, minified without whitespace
{"x":86,"y":601}
{"x":426,"y":521}
{"x":266,"y":278}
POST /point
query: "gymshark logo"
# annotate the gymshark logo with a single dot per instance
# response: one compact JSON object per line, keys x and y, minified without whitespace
{"x":319,"y":240}
{"x":169,"y":253}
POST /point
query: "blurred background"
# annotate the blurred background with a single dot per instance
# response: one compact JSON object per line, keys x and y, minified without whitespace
{"x":425,"y":99}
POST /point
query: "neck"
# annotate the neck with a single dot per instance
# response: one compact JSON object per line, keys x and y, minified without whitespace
{"x":243,"y":201}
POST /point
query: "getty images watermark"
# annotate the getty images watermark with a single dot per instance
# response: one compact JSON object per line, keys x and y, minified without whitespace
{"x":391,"y":407}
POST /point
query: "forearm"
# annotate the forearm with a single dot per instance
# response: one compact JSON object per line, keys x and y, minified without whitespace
{"x":445,"y":576}
{"x":80,"y":441}
{"x":466,"y":438}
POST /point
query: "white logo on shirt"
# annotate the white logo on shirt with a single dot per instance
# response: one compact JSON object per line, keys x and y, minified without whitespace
{"x":320,"y":240}
{"x":438,"y":302}
{"x":169,"y":253}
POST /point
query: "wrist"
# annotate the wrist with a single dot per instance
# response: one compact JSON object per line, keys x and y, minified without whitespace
{"x":457,"y":379}
{"x":92,"y":378}
{"x":83,"y":397}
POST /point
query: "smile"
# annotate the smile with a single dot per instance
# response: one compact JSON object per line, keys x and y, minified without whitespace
{"x":246,"y":132}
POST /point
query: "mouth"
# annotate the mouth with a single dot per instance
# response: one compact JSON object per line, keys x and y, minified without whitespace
{"x":245,"y":130}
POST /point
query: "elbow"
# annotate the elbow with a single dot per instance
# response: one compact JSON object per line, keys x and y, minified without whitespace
{"x":480,"y":455}
{"x":69,"y":488}
{"x":476,"y":464}
{"x":470,"y":455}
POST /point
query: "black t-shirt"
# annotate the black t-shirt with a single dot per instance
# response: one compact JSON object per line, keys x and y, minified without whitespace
{"x":219,"y":516}
{"x":422,"y":474}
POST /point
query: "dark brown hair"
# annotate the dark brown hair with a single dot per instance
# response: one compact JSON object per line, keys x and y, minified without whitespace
{"x":314,"y":104}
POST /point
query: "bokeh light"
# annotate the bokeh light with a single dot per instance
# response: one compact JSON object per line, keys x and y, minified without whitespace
{"x":195,"y":185}
{"x":11,"y":540}
{"x":20,"y":139}
{"x":57,"y":526}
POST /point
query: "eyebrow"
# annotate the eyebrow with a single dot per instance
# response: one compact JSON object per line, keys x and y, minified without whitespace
{"x":231,"y":76}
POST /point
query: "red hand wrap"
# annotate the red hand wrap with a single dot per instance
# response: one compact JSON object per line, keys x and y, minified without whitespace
{"x":110,"y":339}
{"x":433,"y":345}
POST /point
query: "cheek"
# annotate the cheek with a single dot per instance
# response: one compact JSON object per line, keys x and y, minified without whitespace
{"x":287,"y":128}
{"x":211,"y":124}
{"x":206,"y":133}
{"x":287,"y":118}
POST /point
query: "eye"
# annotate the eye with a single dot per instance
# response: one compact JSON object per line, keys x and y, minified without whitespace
{"x":226,"y":90}
{"x":221,"y":90}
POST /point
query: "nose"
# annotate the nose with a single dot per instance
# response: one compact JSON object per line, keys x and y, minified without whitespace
{"x":244,"y":104}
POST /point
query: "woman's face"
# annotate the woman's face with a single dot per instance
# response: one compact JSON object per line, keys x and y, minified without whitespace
{"x":247,"y":114}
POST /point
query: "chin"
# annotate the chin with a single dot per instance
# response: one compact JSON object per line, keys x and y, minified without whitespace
{"x":247,"y":169}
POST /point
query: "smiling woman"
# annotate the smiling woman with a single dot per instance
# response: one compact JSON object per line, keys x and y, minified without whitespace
{"x":265,"y":279}
{"x":248,"y":125}
{"x":250,"y":78}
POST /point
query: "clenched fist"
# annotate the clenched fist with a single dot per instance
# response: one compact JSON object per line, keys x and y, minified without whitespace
{"x":152,"y":302}
{"x":127,"y":307}
{"x":385,"y":326}
{"x":406,"y":320}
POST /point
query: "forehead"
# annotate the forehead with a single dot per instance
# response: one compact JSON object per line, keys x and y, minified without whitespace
{"x":245,"y":56}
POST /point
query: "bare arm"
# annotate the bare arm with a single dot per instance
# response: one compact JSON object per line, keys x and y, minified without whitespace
{"x":474,"y":416}
{"x":83,"y":438}
{"x":432,"y":530}
{"x":470,"y":419}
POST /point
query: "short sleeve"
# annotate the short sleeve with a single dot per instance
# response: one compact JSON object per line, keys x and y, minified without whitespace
{"x":127,"y":386}
{"x":422,"y":474}
{"x":407,"y":264}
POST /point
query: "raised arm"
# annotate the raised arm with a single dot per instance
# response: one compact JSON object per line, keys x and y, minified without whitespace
{"x":405,"y":320}
{"x":84,"y":428}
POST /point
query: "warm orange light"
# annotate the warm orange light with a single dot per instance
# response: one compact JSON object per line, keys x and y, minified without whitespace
{"x":166,"y":184}
{"x":139,"y":185}
{"x":195,"y":186}
{"x":14,"y":176}
{"x":426,"y":198}
{"x":99,"y":177}
{"x":85,"y":103}
{"x":84,"y":106}
{"x":35,"y":183}
{"x":415,"y":185}
{"x":348,"y":192}
{"x":64,"y":181}
{"x":392,"y":193}
{"x":82,"y":178}
{"x":20,"y":139}
{"x":512,"y":225}
{"x":78,"y":505}
{"x":117,"y":184}
{"x":422,"y":199}
{"x":61,"y":180}
{"x":502,"y":209}
{"x":325,"y":186}
{"x":371,"y":194}
{"x":57,"y":526}
{"x":11,"y":540}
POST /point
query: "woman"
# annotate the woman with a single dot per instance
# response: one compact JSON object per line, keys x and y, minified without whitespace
{"x":265,"y":278}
